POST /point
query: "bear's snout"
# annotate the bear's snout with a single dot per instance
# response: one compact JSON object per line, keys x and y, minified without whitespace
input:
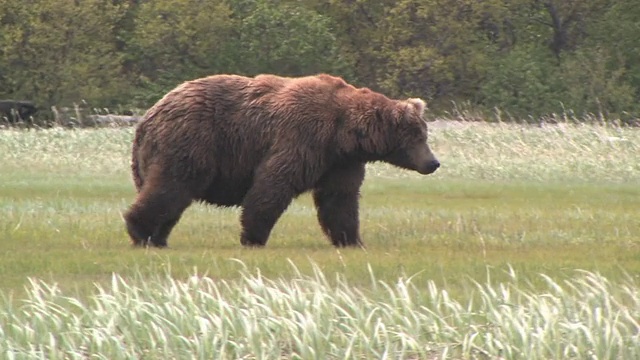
{"x":430,"y":167}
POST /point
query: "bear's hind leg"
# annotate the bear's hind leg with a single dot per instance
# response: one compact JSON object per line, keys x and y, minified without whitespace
{"x":154,"y":214}
{"x":336,"y":199}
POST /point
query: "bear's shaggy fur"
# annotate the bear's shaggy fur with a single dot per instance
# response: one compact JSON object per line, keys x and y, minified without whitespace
{"x":259,"y":142}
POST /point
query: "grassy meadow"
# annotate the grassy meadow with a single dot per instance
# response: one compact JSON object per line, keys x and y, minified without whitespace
{"x":524,"y":244}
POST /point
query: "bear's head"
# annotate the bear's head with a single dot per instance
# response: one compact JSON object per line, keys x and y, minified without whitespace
{"x":393,"y":131}
{"x":409,"y":138}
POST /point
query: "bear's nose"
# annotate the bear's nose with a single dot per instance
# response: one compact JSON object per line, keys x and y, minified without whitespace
{"x":431,"y":166}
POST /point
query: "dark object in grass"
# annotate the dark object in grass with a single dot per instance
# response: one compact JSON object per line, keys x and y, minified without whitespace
{"x":13,"y":111}
{"x":260,"y":142}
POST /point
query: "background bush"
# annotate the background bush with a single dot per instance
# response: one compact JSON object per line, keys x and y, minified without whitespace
{"x":525,"y":57}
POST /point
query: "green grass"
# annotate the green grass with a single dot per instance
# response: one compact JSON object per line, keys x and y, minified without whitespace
{"x":306,"y":317}
{"x":509,"y":199}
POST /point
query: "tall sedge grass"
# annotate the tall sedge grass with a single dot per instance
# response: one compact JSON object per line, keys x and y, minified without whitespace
{"x":304,"y":317}
{"x":550,"y":152}
{"x":470,"y":150}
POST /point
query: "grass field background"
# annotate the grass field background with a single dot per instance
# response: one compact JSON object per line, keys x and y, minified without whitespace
{"x":510,"y":201}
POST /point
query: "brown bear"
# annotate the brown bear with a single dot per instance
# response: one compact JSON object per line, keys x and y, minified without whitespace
{"x":259,"y":142}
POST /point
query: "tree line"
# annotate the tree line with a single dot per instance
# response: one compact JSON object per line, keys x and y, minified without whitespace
{"x":525,"y":58}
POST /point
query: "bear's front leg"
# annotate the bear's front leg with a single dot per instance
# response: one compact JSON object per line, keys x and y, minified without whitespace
{"x":336,"y":199}
{"x":268,"y":198}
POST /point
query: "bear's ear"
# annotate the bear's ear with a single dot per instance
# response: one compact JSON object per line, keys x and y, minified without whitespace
{"x":416,"y":106}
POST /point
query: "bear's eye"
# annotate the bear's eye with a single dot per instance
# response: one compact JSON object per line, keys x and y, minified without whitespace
{"x":421,"y":132}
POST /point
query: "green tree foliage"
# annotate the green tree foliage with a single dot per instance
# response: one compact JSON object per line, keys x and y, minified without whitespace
{"x":526,"y":57}
{"x":175,"y":40}
{"x":434,"y":48}
{"x":561,"y":25}
{"x":287,"y":39}
{"x":596,"y":83}
{"x":60,"y":51}
{"x":360,"y":34}
{"x":615,"y":44}
{"x":522,"y":82}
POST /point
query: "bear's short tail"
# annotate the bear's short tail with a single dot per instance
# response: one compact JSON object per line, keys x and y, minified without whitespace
{"x":135,"y":163}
